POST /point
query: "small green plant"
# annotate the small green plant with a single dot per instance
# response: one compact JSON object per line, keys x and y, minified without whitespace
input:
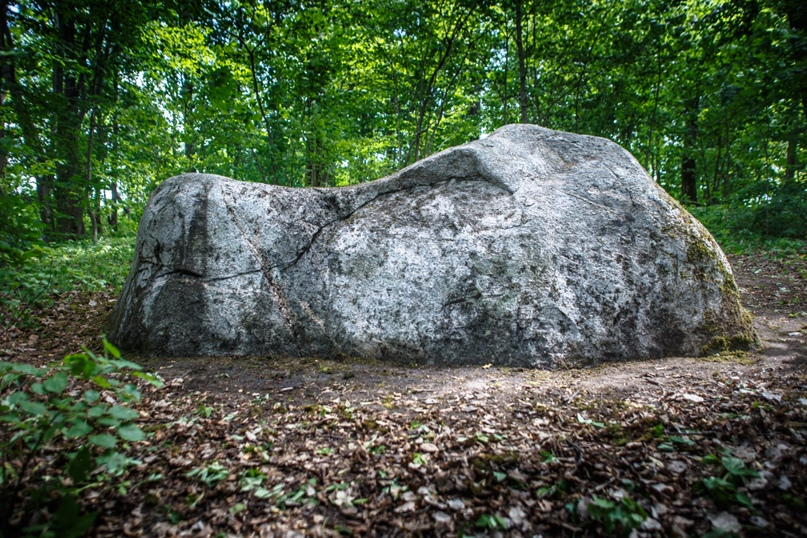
{"x":210,"y":475}
{"x":306,"y":492}
{"x":551,"y":490}
{"x":670,"y":442}
{"x":587,"y":421}
{"x":419,"y":459}
{"x":723,"y":489}
{"x":547,"y":457}
{"x":59,"y":409}
{"x":251,"y":480}
{"x":492,"y":521}
{"x":617,"y":517}
{"x":204,"y":411}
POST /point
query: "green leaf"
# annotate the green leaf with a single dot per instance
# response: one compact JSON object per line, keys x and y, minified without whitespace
{"x":117,"y":463}
{"x":80,"y":428}
{"x":547,"y":457}
{"x":152,"y":379}
{"x":122,"y":413}
{"x":602,"y":503}
{"x":67,"y":521}
{"x":33,"y":408}
{"x":104,"y":440}
{"x":124,"y":364}
{"x":109,"y":421}
{"x":56,"y":383}
{"x":112,"y":350}
{"x":80,"y":466}
{"x":80,"y":365}
{"x":27,"y":369}
{"x":491,"y":521}
{"x":11,"y":419}
{"x":96,"y":411}
{"x":16,"y":398}
{"x":744,"y":499}
{"x":682,"y":440}
{"x":737,"y":468}
{"x":102,"y":382}
{"x":131,"y":433}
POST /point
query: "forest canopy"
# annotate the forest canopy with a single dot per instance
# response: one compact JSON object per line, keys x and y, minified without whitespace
{"x":101,"y":100}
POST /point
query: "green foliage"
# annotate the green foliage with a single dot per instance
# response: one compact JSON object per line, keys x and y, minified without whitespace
{"x":724,"y":487}
{"x":278,"y":492}
{"x":492,"y":521}
{"x":81,"y":407}
{"x":334,"y":93}
{"x":42,"y":271}
{"x":20,"y":227}
{"x":617,"y":517}
{"x":740,"y":229}
{"x":210,"y":475}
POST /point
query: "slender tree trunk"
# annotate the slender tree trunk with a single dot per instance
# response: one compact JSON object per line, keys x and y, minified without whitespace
{"x":426,"y":86}
{"x":797,"y":19}
{"x":506,"y":69}
{"x":522,"y":71}
{"x":113,"y":185}
{"x":3,"y":144}
{"x":726,"y":184}
{"x":71,"y":87}
{"x":790,"y":160}
{"x":188,"y":133}
{"x":94,"y":209}
{"x":689,"y":171}
{"x":257,"y":91}
{"x":649,"y":151}
{"x":312,"y":147}
{"x":30,"y":133}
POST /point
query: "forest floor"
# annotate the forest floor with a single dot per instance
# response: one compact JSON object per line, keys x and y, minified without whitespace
{"x":675,"y":447}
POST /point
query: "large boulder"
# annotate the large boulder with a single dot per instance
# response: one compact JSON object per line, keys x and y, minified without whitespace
{"x":530,"y":247}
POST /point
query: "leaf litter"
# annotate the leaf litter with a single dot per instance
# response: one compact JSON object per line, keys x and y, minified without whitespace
{"x":254,"y":446}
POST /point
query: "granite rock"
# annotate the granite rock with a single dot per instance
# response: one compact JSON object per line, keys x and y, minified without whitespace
{"x":529,"y":247}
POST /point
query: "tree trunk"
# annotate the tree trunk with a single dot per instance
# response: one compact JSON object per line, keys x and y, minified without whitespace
{"x":187,"y":128}
{"x":22,"y":114}
{"x":796,"y":14}
{"x":689,"y":170}
{"x":69,"y":189}
{"x":94,"y":209}
{"x":791,"y":163}
{"x":522,"y":71}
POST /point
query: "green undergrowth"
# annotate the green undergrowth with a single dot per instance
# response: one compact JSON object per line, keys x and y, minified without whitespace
{"x":31,"y":278}
{"x":743,"y":231}
{"x":65,"y":428}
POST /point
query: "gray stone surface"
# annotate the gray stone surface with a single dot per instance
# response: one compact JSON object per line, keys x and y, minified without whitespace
{"x":529,"y":247}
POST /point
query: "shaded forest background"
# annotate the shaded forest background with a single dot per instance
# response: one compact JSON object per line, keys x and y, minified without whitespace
{"x":101,"y":100}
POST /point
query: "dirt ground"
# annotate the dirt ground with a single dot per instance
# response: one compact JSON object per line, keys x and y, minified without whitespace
{"x":372,"y":449}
